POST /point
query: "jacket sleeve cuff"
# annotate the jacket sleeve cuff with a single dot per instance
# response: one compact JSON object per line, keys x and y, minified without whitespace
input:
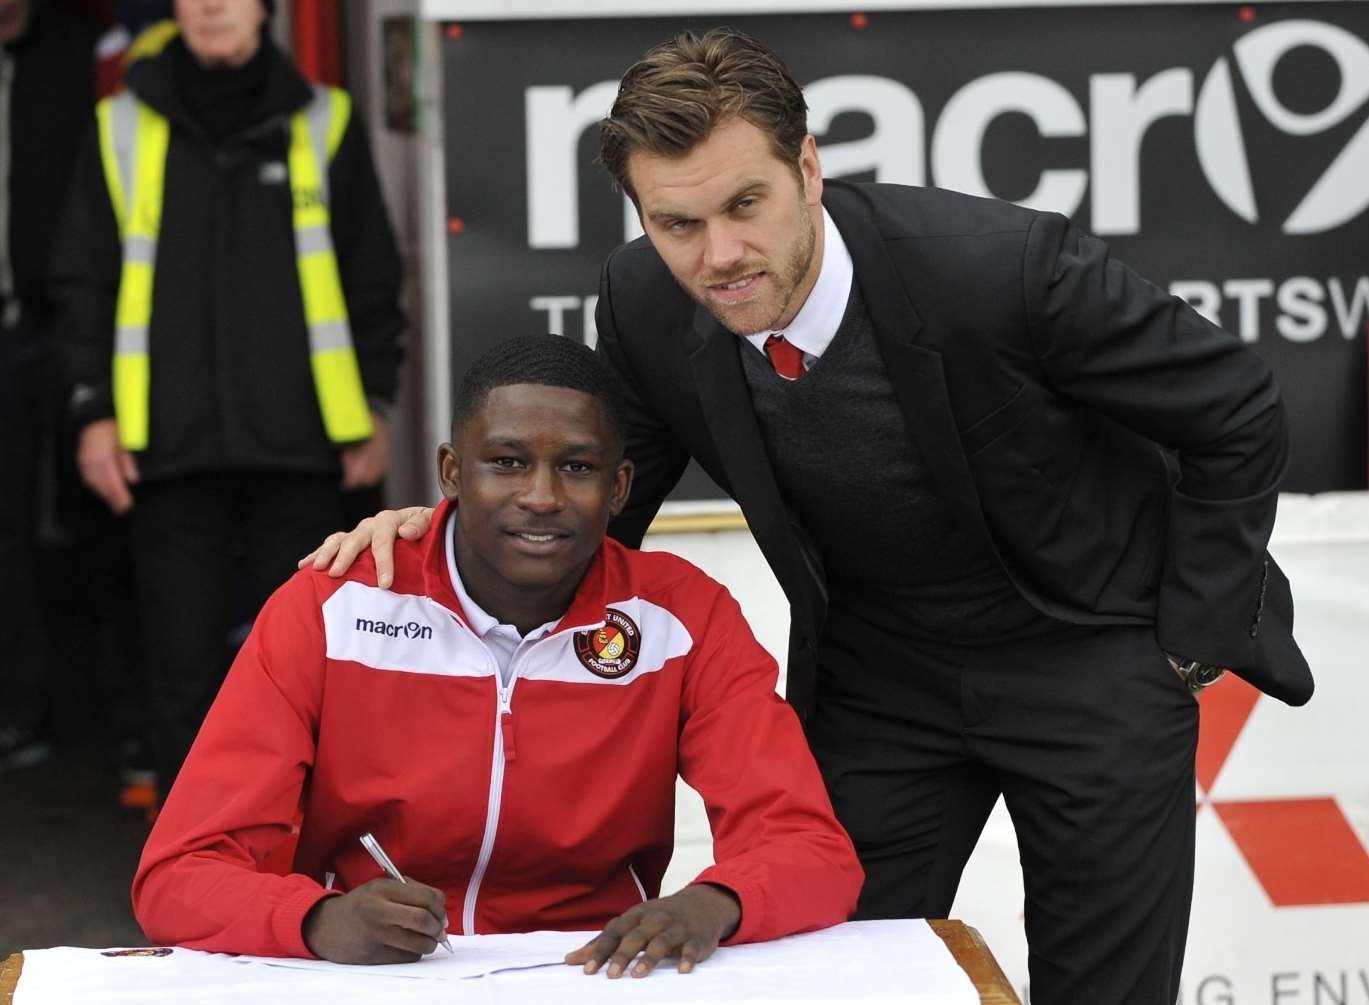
{"x":87,"y":404}
{"x":1212,"y":591}
{"x":751,"y":927}
{"x":287,"y":921}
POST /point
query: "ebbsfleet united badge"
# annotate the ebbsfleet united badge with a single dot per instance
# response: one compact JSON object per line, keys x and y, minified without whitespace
{"x":610,"y":651}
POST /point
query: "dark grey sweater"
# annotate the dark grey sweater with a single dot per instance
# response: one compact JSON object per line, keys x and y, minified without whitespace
{"x":853,"y":476}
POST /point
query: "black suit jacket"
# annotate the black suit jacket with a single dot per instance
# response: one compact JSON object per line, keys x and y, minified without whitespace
{"x":1119,"y":454}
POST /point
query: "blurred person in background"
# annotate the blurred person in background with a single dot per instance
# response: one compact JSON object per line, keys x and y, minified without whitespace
{"x":229,"y":289}
{"x":47,"y":88}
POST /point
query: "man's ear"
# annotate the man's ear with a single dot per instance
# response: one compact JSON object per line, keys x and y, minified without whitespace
{"x":622,"y":486}
{"x":449,"y":472}
{"x":810,"y":169}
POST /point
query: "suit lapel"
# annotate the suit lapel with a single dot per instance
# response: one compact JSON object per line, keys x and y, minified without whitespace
{"x":731,"y":418}
{"x":916,"y":373}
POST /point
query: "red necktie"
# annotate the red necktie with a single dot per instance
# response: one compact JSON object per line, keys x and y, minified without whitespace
{"x":785,"y":357}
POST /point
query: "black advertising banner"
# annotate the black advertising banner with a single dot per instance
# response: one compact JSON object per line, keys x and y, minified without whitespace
{"x":1221,"y":151}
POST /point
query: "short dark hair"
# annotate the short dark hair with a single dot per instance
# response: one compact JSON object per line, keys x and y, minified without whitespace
{"x":548,"y":360}
{"x":672,"y":98}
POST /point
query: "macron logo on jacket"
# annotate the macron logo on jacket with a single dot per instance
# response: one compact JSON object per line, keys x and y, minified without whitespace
{"x":398,"y":631}
{"x":410,"y":629}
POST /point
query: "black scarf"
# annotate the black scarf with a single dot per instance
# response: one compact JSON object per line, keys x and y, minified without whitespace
{"x":221,"y":99}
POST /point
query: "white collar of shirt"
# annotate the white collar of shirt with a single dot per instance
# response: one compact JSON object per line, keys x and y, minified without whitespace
{"x":817,"y":321}
{"x":501,"y":640}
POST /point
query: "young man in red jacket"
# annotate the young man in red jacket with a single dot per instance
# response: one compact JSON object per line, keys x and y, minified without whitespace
{"x":508,"y":719}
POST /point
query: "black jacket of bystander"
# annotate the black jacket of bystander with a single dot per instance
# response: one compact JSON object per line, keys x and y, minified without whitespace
{"x":231,"y":381}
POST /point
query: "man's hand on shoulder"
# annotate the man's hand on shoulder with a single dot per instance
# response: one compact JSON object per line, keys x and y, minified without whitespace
{"x":688,"y":924}
{"x":383,"y":921}
{"x":339,"y":550}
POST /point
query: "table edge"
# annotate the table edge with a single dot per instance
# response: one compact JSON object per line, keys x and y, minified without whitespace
{"x":973,"y":955}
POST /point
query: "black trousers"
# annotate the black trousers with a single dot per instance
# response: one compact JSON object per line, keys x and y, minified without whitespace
{"x":207,"y":547}
{"x":1090,"y":738}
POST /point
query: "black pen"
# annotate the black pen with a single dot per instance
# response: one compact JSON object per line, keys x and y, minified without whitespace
{"x":369,"y":842}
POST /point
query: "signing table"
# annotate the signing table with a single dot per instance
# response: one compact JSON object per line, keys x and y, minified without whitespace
{"x":908,"y":962}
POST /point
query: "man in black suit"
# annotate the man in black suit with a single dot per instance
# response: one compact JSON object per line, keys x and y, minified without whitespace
{"x":1018,"y":499}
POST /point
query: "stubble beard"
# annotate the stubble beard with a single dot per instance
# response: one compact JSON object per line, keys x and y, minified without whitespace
{"x":787,"y":280}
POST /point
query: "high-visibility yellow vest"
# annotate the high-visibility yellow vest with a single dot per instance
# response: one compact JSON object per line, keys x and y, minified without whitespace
{"x":133,"y":145}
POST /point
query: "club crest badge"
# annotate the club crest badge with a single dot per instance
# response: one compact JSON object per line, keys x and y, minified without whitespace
{"x":611,"y":651}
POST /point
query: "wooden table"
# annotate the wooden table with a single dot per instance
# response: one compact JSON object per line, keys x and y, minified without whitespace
{"x":964,"y":942}
{"x":971,"y":952}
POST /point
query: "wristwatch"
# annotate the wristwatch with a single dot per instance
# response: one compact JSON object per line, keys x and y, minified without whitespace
{"x":1194,"y":674}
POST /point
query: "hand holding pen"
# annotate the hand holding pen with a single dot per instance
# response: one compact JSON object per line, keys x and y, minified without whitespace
{"x":390,"y":920}
{"x":369,"y":842}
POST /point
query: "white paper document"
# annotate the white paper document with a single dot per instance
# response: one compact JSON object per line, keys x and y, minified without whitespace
{"x":870,"y":962}
{"x":473,"y":956}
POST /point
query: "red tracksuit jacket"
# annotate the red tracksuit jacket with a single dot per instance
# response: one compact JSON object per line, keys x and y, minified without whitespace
{"x":546,"y":804}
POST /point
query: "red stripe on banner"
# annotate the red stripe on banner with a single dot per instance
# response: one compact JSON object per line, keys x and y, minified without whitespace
{"x":317,"y":40}
{"x":1303,"y":851}
{"x":1226,"y":706}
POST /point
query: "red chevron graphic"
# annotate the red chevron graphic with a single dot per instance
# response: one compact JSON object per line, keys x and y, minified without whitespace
{"x":1225,"y":710}
{"x":1302,"y":850}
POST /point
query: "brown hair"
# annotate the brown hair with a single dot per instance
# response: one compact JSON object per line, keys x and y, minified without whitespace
{"x":679,"y":91}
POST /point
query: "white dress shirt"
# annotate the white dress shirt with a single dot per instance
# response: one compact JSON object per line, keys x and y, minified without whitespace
{"x":503,"y":641}
{"x":817,"y":321}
